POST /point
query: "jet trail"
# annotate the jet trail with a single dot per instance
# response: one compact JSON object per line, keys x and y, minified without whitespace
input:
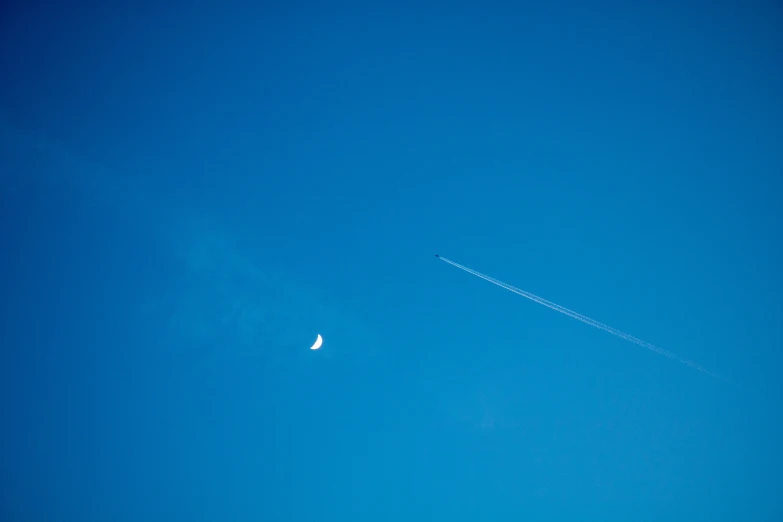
{"x":583,"y":318}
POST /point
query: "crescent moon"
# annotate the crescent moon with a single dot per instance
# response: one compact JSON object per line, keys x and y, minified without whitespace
{"x":318,"y":343}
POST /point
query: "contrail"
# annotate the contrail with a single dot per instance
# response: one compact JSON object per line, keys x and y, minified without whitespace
{"x":583,"y":318}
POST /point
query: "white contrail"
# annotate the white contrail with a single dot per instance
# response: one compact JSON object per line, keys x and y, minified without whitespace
{"x":583,"y":318}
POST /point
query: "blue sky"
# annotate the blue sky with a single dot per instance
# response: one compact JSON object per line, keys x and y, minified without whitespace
{"x":191,"y":194}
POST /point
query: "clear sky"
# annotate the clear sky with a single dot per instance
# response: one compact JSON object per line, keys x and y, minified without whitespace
{"x":190,"y":194}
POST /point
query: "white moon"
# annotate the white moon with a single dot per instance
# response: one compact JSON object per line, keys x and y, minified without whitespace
{"x":318,"y":343}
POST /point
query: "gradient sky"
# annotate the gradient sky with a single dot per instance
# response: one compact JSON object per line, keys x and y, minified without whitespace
{"x":189,"y":195}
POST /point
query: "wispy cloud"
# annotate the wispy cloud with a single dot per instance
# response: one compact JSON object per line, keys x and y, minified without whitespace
{"x":222,"y":301}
